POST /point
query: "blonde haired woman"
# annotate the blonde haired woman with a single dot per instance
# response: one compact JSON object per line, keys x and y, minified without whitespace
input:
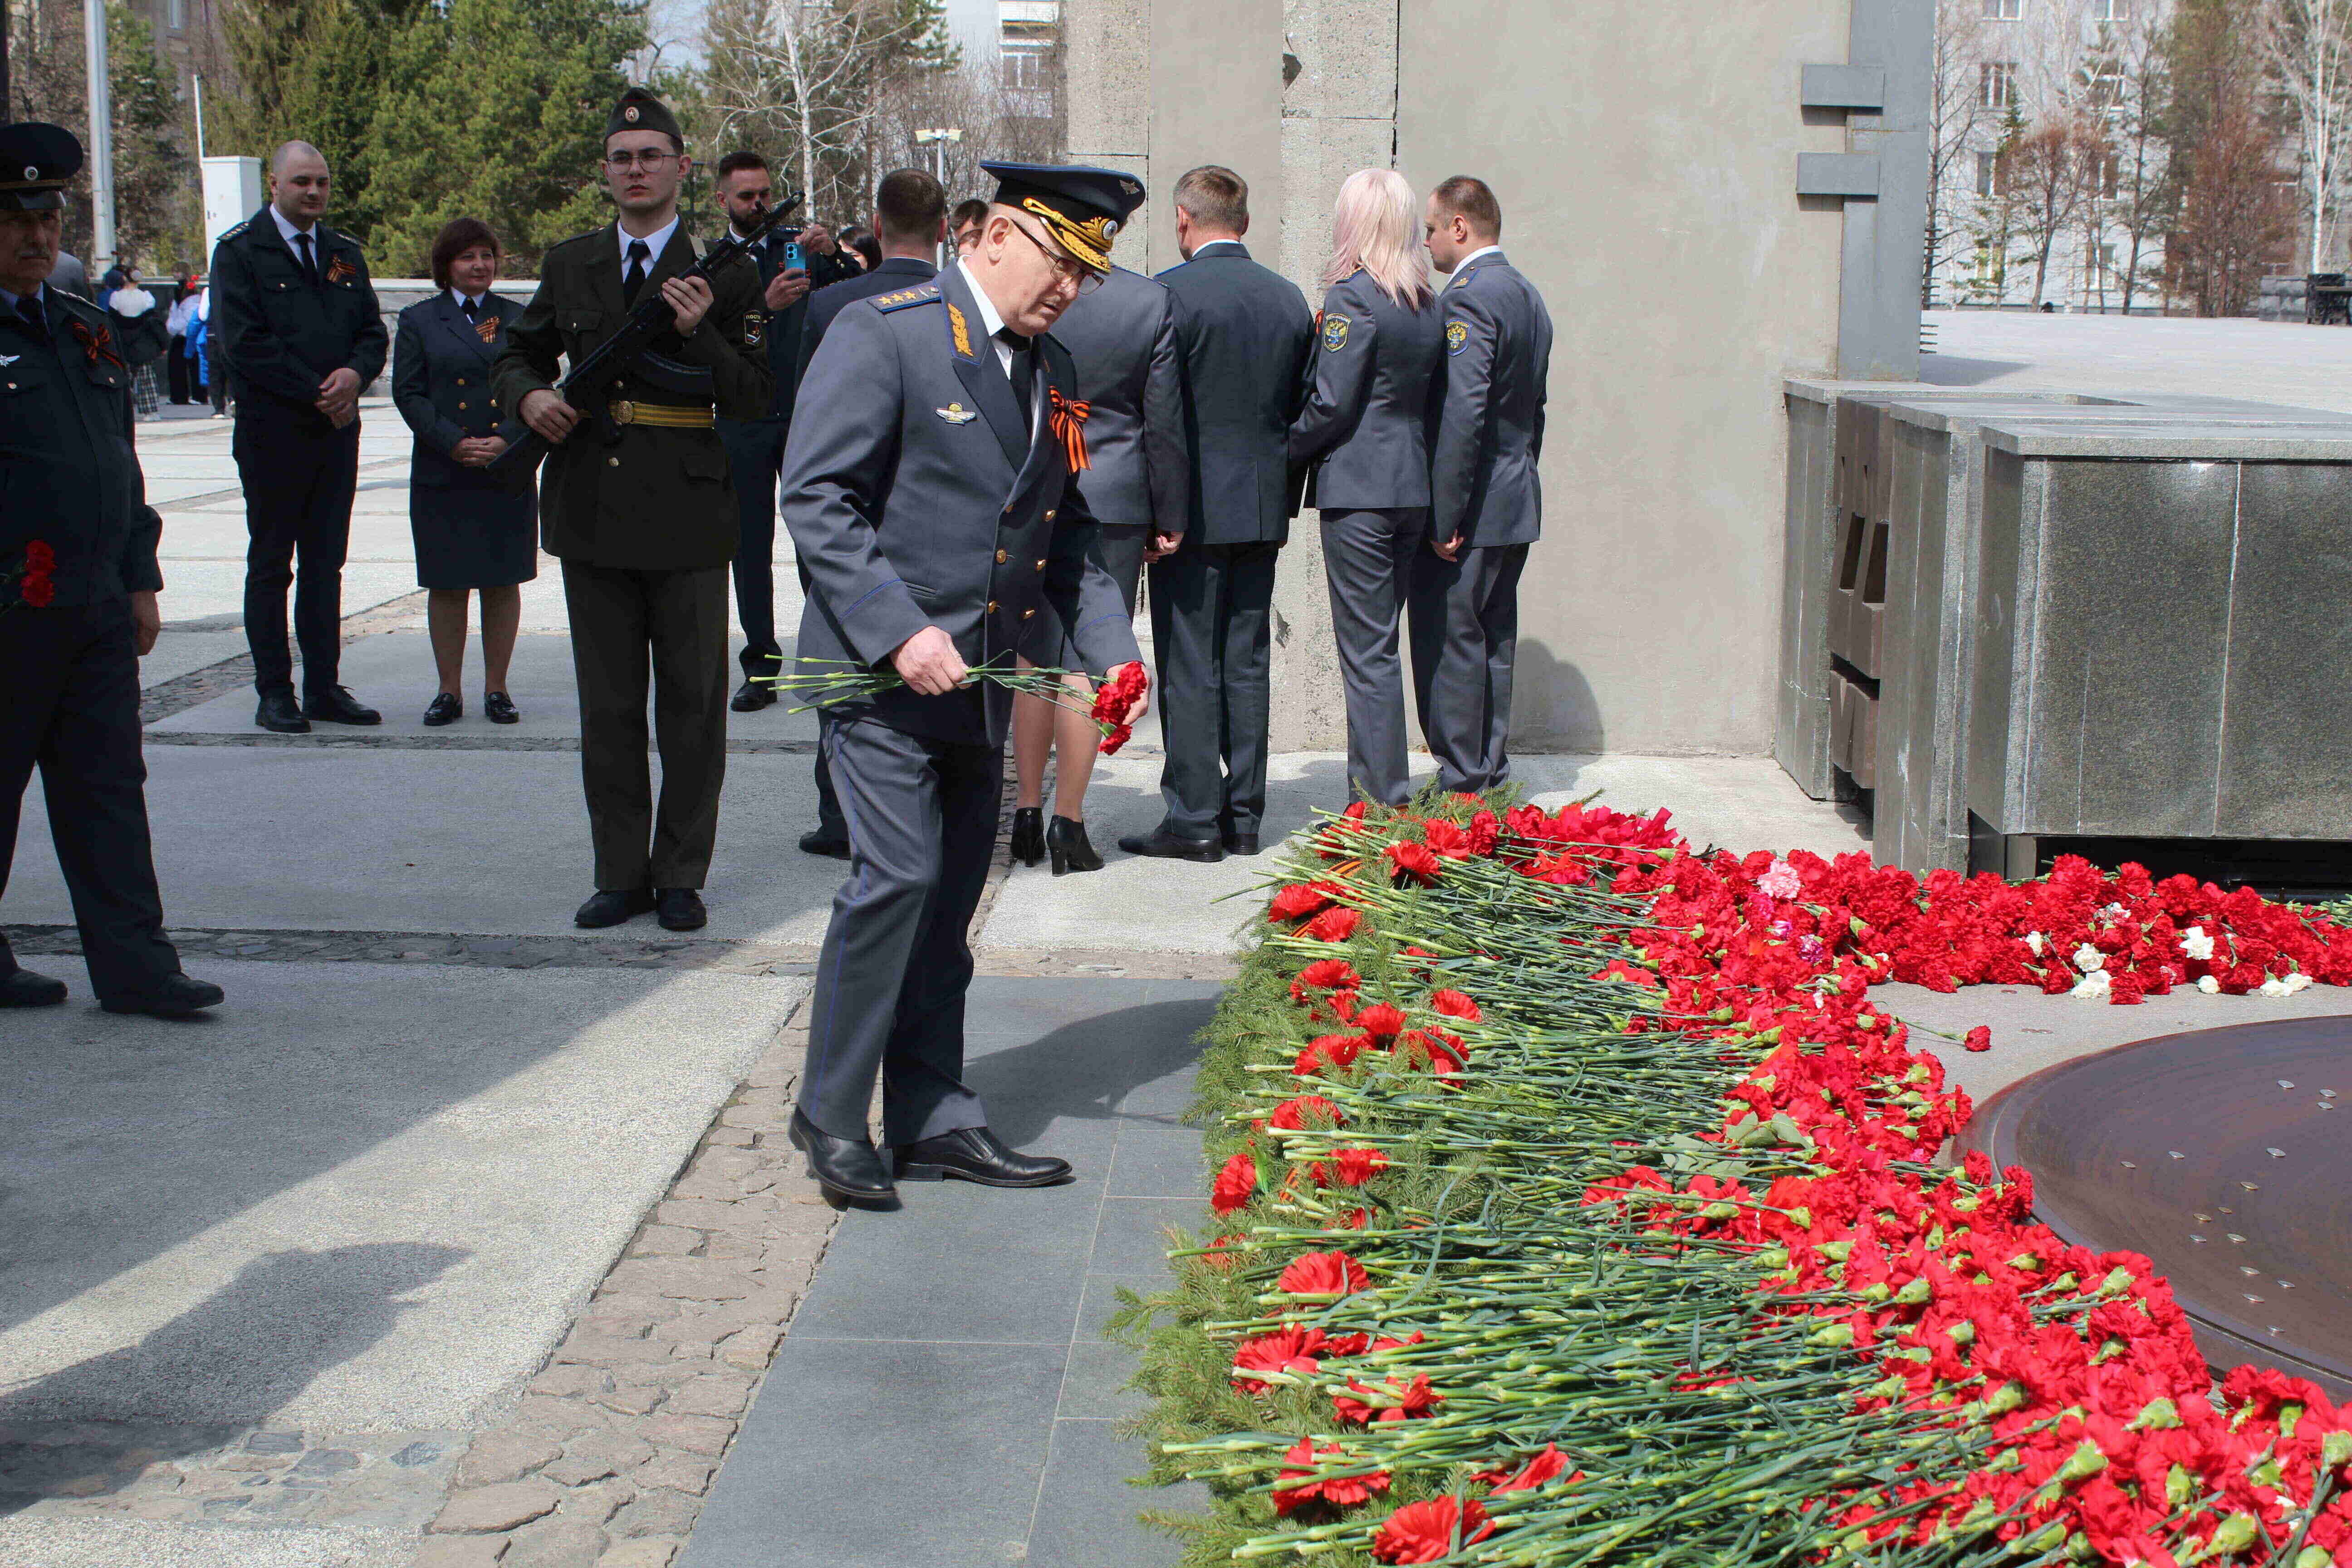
{"x":1381,"y":348}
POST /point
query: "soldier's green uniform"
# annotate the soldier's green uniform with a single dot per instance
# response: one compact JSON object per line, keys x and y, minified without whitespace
{"x":643,"y":516}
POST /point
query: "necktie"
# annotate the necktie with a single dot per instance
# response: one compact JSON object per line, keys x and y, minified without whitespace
{"x":636,"y":279}
{"x":309,"y":266}
{"x":473,"y":309}
{"x":36,"y":319}
{"x":1024,"y":374}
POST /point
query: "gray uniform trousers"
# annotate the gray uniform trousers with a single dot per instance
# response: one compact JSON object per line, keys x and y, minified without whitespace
{"x":1465,"y":632}
{"x":1211,"y":614}
{"x":1368,"y":558}
{"x":622,"y":621}
{"x":895,"y":964}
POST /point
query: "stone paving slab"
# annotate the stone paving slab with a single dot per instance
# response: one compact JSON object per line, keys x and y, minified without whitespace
{"x":396,"y":673}
{"x":945,"y":1396}
{"x":486,"y":842}
{"x":1740,"y":803}
{"x":198,"y":588}
{"x":177,"y":654}
{"x":360,"y":1198}
{"x":134,"y":1543}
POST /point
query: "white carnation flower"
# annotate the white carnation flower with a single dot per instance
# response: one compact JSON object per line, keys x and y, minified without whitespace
{"x":2094,"y":986}
{"x":2089,"y":959}
{"x":2297,"y":982}
{"x":2275,"y":987}
{"x":2037,"y":942}
{"x":2195,"y":942}
{"x":2114,"y":912}
{"x":2207,"y":985}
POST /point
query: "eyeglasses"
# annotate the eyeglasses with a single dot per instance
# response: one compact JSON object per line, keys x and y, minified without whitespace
{"x":647,"y":159}
{"x":1066,"y":268}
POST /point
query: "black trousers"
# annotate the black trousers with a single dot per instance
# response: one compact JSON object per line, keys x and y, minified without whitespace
{"x":72,"y":709}
{"x":632,"y":629}
{"x":180,"y":371}
{"x":896,"y":961}
{"x":1465,"y":636}
{"x":755,"y":454}
{"x":1211,"y":608}
{"x":298,"y":511}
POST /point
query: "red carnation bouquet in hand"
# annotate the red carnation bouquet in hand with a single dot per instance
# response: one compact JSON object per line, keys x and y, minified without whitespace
{"x":35,"y":578}
{"x":1117,"y":695}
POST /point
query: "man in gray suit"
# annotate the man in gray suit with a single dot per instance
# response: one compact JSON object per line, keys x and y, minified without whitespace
{"x":1486,"y":499}
{"x":1244,"y":333}
{"x":930,"y":486}
{"x":1122,"y":341}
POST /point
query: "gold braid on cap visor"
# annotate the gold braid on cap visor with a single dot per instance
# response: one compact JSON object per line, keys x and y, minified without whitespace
{"x":1089,"y":242}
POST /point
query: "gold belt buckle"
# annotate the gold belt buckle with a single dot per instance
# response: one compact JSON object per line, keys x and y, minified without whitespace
{"x":623,"y":410}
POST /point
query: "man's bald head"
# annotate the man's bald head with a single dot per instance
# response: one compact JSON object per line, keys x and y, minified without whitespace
{"x":298,"y":183}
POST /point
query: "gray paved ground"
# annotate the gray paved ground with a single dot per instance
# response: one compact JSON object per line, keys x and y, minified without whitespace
{"x":2269,"y":362}
{"x":946,"y":1397}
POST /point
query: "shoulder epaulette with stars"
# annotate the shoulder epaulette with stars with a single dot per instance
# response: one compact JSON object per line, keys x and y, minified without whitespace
{"x":899,"y":299}
{"x":234,"y":232}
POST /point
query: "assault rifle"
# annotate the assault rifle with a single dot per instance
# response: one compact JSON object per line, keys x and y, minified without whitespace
{"x":586,"y":387}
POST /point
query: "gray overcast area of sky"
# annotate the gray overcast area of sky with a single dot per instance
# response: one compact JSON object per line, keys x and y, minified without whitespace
{"x":676,"y":26}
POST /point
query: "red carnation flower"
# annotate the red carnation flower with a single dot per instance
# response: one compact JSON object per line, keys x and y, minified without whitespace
{"x":1292,"y":1113}
{"x":1333,"y":1274}
{"x":1337,"y":924}
{"x":1380,"y":1021}
{"x":1329,"y":1050}
{"x":1454,"y":1005}
{"x":35,"y":585}
{"x":1116,"y":696}
{"x":1979,"y":1039}
{"x":1342,"y":1491}
{"x":1236,"y":1185}
{"x":1297,"y":899}
{"x":1444,"y":838}
{"x":1386,"y":1401}
{"x":1413,"y":860}
{"x":1425,"y":1531}
{"x":1292,"y":1350}
{"x":1330,"y":975}
{"x":1531,"y":1475}
{"x":1354,"y":1167}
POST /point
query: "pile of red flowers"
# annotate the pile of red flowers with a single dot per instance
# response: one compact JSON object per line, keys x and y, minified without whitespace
{"x":2109,"y":1439}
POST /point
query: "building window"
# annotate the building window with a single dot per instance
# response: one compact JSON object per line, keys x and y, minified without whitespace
{"x":2110,"y":10}
{"x":1988,"y":173}
{"x":1021,"y":69}
{"x":2003,"y":10}
{"x":1997,"y":84}
{"x":176,"y":14}
{"x":2106,"y":90}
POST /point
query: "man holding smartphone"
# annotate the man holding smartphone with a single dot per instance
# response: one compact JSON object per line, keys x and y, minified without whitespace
{"x":756,"y":447}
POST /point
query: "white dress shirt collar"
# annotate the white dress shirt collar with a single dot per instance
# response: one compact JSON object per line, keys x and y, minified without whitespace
{"x":1482,"y":250}
{"x":286,"y":230}
{"x":991,"y":323}
{"x":461,"y":296}
{"x":655,"y":243}
{"x":8,"y":300}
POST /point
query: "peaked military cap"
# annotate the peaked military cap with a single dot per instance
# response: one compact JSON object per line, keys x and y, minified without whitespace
{"x":1082,"y":208}
{"x":36,"y":160}
{"x":641,"y":110}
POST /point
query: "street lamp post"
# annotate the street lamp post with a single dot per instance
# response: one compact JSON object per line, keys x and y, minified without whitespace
{"x":937,"y":140}
{"x":101,"y":141}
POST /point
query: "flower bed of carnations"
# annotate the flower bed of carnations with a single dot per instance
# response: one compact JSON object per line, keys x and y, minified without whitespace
{"x":1577,"y":1205}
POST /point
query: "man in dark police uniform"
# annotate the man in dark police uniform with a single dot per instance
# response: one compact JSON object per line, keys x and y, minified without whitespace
{"x":78,"y":586}
{"x":646,"y":524}
{"x":296,"y":322}
{"x":931,"y":488}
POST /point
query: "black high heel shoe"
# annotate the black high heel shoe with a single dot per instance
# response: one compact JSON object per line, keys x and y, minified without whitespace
{"x":1029,"y":834}
{"x":1065,"y":841}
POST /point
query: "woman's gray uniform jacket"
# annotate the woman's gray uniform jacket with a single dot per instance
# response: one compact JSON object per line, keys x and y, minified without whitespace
{"x":1378,"y":374}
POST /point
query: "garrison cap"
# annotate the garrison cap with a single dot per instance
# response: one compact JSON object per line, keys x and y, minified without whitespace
{"x":1082,"y":208}
{"x":36,"y":160}
{"x":641,"y":110}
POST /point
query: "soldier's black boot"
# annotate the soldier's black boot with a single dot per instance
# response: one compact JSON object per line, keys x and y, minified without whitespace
{"x":1065,"y":841}
{"x":1029,"y":834}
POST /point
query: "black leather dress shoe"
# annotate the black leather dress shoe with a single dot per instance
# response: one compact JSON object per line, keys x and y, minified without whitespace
{"x":174,"y":997}
{"x":447,"y":707}
{"x":1161,"y":845}
{"x":1028,"y":834}
{"x":819,"y":842}
{"x":1240,"y":842}
{"x":499,"y":708}
{"x":23,"y":988}
{"x":849,"y":1166}
{"x":336,"y":705}
{"x":976,"y":1155}
{"x":752,"y":696}
{"x":610,"y":908}
{"x":679,"y":909}
{"x":1065,"y":842}
{"x":277,"y":712}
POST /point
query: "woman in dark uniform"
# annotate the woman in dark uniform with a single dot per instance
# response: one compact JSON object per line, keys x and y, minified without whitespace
{"x":1381,"y":348}
{"x":476,"y":531}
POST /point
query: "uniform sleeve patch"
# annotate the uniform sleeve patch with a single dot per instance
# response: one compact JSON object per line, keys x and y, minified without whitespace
{"x":1457,"y":337}
{"x":1335,"y":332}
{"x":899,"y":299}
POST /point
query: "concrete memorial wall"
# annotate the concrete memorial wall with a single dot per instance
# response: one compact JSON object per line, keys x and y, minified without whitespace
{"x":1648,"y":159}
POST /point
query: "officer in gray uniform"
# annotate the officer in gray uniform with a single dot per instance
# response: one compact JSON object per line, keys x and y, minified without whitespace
{"x":1486,"y":500}
{"x":1378,"y":374}
{"x":78,"y":586}
{"x":930,"y":486}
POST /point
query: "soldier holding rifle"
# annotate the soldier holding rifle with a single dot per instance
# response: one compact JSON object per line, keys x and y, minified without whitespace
{"x":636,"y":502}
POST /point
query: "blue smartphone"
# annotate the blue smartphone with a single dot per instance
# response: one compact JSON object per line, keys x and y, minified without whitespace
{"x":792,"y":254}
